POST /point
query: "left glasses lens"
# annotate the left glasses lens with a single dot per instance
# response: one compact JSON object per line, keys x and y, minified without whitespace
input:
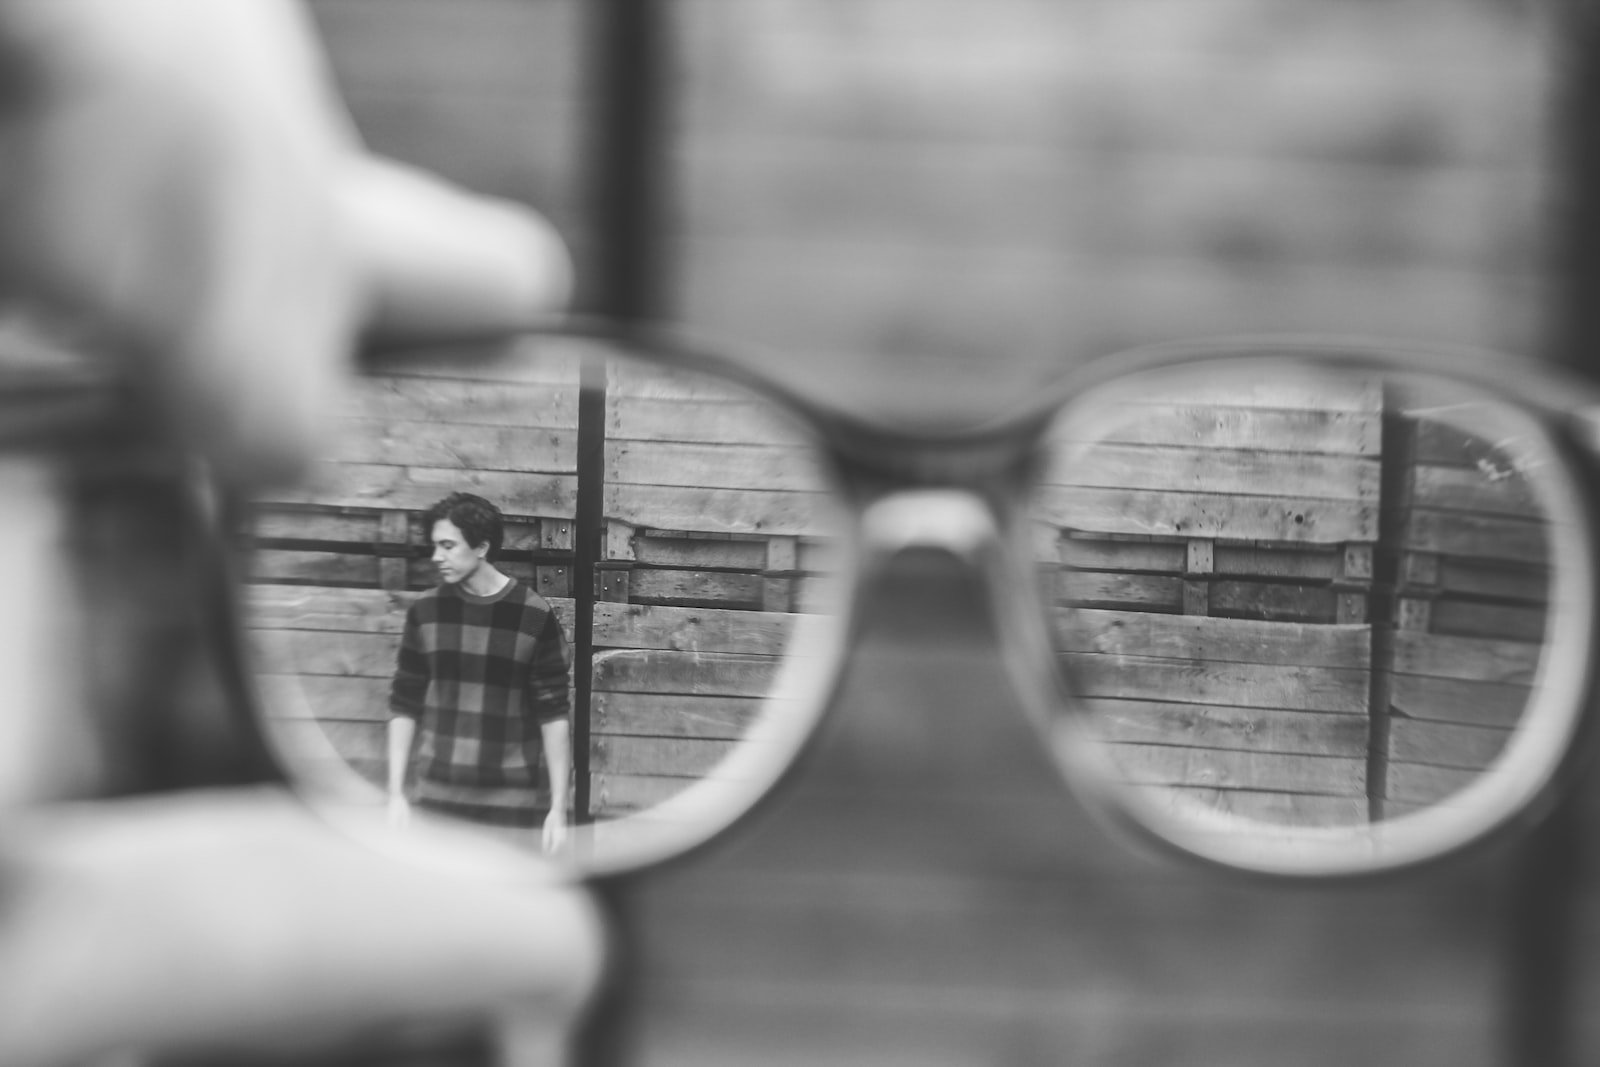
{"x":686,"y":672}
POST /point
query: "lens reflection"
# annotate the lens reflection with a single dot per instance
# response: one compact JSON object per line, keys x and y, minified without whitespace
{"x":1302,"y":598}
{"x":678,"y":671}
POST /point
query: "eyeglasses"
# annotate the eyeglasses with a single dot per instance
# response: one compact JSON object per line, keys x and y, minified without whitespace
{"x":1300,"y":606}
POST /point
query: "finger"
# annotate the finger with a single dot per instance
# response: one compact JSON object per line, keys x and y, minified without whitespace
{"x":170,"y":174}
{"x":439,"y":262}
{"x":220,"y":916}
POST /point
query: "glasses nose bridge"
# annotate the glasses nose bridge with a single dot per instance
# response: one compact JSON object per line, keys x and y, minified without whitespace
{"x":958,"y":522}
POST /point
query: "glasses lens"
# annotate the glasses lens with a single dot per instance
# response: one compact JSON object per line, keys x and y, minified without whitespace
{"x":1314,"y":616}
{"x":568,"y":547}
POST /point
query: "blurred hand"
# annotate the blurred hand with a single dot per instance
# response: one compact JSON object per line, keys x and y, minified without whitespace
{"x":399,"y":813}
{"x":229,"y":916}
{"x":555,"y":831}
{"x":179,"y":176}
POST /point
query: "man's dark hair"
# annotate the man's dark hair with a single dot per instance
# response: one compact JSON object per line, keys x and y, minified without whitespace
{"x":476,"y":518}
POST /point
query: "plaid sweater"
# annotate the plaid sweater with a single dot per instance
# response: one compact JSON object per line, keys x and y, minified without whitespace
{"x":480,"y":675}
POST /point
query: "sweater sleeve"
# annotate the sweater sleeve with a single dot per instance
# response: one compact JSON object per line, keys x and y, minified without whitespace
{"x":410,"y":685}
{"x":548,"y":691}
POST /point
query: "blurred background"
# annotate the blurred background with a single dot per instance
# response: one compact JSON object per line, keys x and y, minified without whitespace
{"x":926,"y":206}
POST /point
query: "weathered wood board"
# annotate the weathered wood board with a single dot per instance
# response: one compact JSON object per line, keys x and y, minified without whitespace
{"x":1259,"y":717}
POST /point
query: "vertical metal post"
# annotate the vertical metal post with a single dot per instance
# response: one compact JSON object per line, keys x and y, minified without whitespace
{"x":623,"y":281}
{"x":1396,"y":452}
{"x":589,"y":527}
{"x":1540,"y":967}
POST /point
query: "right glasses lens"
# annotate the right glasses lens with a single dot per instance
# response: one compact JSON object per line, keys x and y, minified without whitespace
{"x":1295,"y":599}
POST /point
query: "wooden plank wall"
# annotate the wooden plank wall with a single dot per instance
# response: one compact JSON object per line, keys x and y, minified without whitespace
{"x":715,"y":539}
{"x":336,"y":562}
{"x":1471,"y":601}
{"x":916,"y":204}
{"x":1216,"y":547}
{"x":405,"y":439}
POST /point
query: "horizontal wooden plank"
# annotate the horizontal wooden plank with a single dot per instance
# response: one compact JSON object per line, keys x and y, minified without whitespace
{"x":326,"y":697}
{"x":1089,"y":553}
{"x":1246,"y":600}
{"x":718,"y":466}
{"x":1168,"y":765}
{"x":1221,"y":640}
{"x":703,"y":421}
{"x":1452,"y":700}
{"x":1476,"y":659}
{"x":1238,"y":518}
{"x":1506,"y":540}
{"x":676,"y":715}
{"x":740,"y":552}
{"x":613,"y":795}
{"x":774,"y":513}
{"x":1417,"y":785}
{"x":296,"y":565}
{"x":433,"y":400}
{"x":312,"y":523}
{"x":1445,"y":744}
{"x":1278,"y":386}
{"x":451,"y":444}
{"x":1508,"y":622}
{"x":1280,"y":809}
{"x":1194,"y":469}
{"x":761,"y":633}
{"x":1096,"y":589}
{"x":1489,"y":578}
{"x":1229,"y":727}
{"x":1491,"y":490}
{"x":699,"y":673}
{"x":743,"y":554}
{"x":325,"y":652}
{"x":1354,"y":433}
{"x":669,"y":757}
{"x":1278,"y":562}
{"x":1228,"y":560}
{"x":373,"y":485}
{"x":1272,"y":600}
{"x":319,"y":608}
{"x":648,"y":584}
{"x":1252,"y":685}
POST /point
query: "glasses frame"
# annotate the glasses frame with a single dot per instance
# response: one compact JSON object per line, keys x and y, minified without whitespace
{"x":964,"y":491}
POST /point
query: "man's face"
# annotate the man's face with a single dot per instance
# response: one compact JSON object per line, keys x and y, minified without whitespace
{"x":455,"y":559}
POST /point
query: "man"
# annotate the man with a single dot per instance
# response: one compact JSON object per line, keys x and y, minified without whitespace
{"x":480,"y":688}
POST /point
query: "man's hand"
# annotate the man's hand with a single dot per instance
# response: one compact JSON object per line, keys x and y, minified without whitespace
{"x":399,"y":813}
{"x":555,"y":831}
